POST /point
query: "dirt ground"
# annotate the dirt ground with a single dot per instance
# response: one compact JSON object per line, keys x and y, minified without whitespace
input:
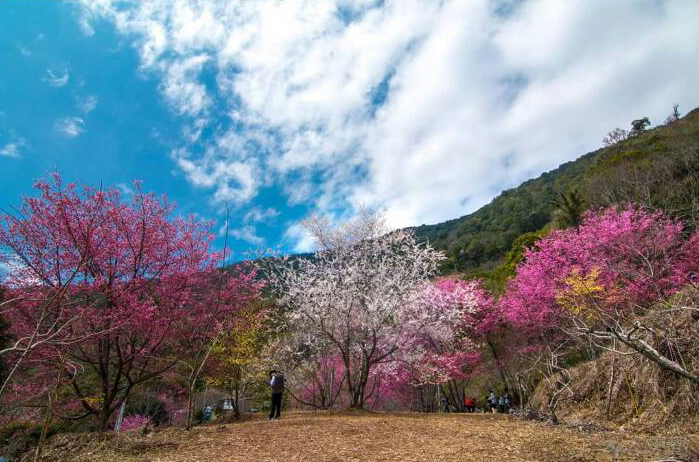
{"x":306,"y":436}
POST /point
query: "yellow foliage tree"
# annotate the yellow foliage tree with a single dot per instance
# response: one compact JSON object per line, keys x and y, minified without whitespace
{"x":583,"y":295}
{"x":236,"y":361}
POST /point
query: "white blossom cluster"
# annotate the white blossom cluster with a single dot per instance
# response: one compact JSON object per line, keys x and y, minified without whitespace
{"x":356,"y":290}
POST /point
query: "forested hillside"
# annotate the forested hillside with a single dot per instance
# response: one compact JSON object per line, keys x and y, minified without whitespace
{"x":657,"y":165}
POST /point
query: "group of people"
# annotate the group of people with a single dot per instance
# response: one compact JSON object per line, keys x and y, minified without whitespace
{"x":499,"y":404}
{"x":494,"y":403}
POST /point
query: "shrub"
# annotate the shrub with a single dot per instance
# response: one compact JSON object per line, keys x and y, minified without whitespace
{"x":20,"y":436}
{"x":149,"y":406}
{"x":135,"y":422}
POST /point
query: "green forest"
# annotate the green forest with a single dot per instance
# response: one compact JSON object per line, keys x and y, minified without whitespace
{"x":656,"y":167}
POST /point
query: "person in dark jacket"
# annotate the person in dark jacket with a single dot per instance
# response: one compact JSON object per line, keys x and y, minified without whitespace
{"x":276,"y":382}
{"x":506,"y":404}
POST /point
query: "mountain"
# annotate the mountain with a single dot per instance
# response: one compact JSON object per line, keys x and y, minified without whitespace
{"x":659,"y":166}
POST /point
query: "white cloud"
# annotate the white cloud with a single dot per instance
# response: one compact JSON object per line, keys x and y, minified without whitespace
{"x":126,"y":189}
{"x":13,"y":148}
{"x":14,"y":273}
{"x":57,"y":78}
{"x":472,"y":97}
{"x":234,"y":181}
{"x":70,"y":126}
{"x":193,"y":131}
{"x":260,"y":215}
{"x":255,"y":216}
{"x":299,"y":238}
{"x":181,"y":88}
{"x":247,"y":234}
{"x":84,"y":20}
{"x":88,"y":103}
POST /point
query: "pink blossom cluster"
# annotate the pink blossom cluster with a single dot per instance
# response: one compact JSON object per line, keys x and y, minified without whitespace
{"x":439,"y":333}
{"x":135,"y":422}
{"x":633,"y":255}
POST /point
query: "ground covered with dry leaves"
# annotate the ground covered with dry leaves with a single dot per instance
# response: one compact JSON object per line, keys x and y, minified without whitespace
{"x":306,"y":436}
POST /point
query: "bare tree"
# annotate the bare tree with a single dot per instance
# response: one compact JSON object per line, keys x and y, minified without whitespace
{"x":548,"y":361}
{"x":646,"y":330}
{"x":313,"y":373}
{"x":674,"y":115}
{"x":615,"y":136}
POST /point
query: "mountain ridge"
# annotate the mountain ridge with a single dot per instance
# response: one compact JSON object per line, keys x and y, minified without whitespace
{"x":480,"y":240}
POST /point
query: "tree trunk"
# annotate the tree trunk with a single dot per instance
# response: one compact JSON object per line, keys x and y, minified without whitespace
{"x":358,"y":388}
{"x":523,"y":397}
{"x":104,"y":420}
{"x":190,"y":406}
{"x":236,"y":404}
{"x":105,"y":413}
{"x":651,"y":353}
{"x":610,"y":387}
{"x":493,"y":351}
{"x":552,"y":411}
{"x":47,"y":419}
{"x":357,"y":397}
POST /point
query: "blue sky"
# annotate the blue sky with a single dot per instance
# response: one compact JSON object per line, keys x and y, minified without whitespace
{"x":78,"y":104}
{"x":282,"y":109}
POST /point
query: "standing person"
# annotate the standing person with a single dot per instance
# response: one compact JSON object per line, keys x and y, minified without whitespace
{"x":501,"y":404}
{"x":492,"y":401}
{"x":276,"y":382}
{"x":506,"y":404}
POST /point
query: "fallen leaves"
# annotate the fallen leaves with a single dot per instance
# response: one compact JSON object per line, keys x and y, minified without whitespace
{"x":329,"y":437}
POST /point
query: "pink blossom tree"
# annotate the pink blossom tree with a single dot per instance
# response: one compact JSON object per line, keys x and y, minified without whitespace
{"x":130,"y":276}
{"x":595,"y":283}
{"x":438,"y":336}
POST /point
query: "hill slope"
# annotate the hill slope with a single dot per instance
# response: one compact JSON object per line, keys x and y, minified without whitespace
{"x":481,"y":239}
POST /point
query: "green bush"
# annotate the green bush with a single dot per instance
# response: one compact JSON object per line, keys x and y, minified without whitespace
{"x":19,"y":436}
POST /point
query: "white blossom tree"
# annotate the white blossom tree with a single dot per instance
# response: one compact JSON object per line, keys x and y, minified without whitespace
{"x":354,"y":290}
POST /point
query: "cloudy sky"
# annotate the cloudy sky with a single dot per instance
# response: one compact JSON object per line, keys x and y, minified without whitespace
{"x":280,"y":109}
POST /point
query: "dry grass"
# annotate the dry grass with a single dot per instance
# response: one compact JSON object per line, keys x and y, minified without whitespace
{"x":643,"y":396}
{"x":302,"y":436}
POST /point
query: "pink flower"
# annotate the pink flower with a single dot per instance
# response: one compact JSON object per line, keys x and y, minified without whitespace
{"x":134,"y":422}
